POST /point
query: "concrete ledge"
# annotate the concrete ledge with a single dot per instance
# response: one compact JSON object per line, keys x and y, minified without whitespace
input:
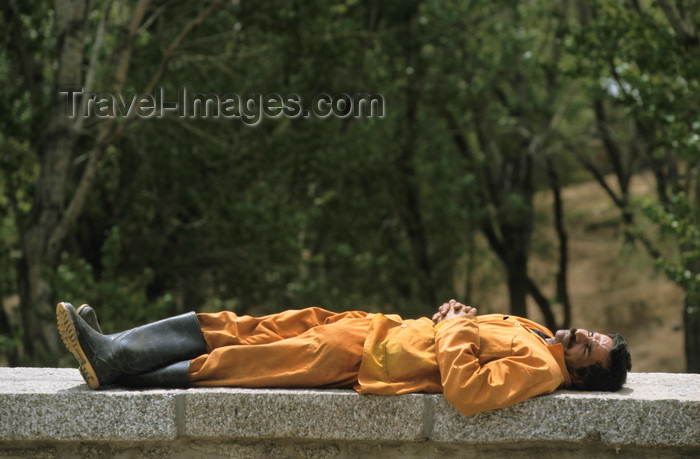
{"x":47,"y":411}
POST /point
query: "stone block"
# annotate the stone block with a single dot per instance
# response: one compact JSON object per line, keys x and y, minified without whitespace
{"x":55,"y":404}
{"x":310,"y":414}
{"x":653,"y":409}
{"x":48,"y":412}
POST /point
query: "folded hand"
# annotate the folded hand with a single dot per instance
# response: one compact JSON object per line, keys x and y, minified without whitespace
{"x":452,"y":309}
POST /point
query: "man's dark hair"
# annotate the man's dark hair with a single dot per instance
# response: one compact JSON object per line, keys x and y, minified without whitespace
{"x":598,"y":377}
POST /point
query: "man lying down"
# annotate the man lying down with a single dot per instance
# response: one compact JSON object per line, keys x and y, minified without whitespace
{"x":479,"y":362}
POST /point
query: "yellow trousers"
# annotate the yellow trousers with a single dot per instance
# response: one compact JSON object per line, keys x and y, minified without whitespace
{"x":299,"y":348}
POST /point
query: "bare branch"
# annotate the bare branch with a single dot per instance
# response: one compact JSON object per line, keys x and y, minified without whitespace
{"x":106,"y":136}
{"x":632,"y":232}
{"x":598,"y":175}
{"x":612,"y":146}
{"x":90,"y":74}
{"x":165,"y":60}
{"x":152,"y":18}
{"x":457,"y":137}
{"x":487,"y":185}
{"x":205,"y":136}
{"x":685,"y":32}
{"x":125,"y":58}
{"x":538,"y":141}
{"x":559,"y":225}
{"x":542,"y":302}
{"x":99,"y":36}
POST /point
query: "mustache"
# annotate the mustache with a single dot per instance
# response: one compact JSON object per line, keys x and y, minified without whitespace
{"x":572,"y":338}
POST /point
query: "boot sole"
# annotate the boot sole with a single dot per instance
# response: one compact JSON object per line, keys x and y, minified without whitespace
{"x":69,"y":335}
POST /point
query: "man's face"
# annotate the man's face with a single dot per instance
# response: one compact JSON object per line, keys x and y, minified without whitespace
{"x":583,"y":348}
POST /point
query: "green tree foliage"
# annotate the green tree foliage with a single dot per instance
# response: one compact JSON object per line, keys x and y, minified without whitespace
{"x":148,"y":217}
{"x":641,"y":59}
{"x":502,"y":98}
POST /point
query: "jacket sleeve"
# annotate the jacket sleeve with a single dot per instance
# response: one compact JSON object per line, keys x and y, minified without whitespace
{"x":520,"y":372}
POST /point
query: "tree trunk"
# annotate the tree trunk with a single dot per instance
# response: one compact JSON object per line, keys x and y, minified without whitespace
{"x":471,"y":258}
{"x":691,"y":319}
{"x":516,"y":269}
{"x":6,"y":331}
{"x":543,"y":303}
{"x":407,"y":181}
{"x":53,"y":214}
{"x":691,"y":323}
{"x":40,"y":249}
{"x":562,"y":272}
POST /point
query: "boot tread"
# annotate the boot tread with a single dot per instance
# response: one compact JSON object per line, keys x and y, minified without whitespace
{"x":69,"y":335}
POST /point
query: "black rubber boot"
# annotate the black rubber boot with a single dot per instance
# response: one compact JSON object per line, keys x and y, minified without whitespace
{"x":90,"y":316}
{"x":171,"y":376}
{"x":105,"y":358}
{"x":176,"y":375}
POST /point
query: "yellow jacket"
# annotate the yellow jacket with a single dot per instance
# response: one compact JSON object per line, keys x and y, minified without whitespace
{"x":479,"y":363}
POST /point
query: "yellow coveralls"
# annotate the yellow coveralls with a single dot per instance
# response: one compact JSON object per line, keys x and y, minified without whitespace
{"x":479,"y":363}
